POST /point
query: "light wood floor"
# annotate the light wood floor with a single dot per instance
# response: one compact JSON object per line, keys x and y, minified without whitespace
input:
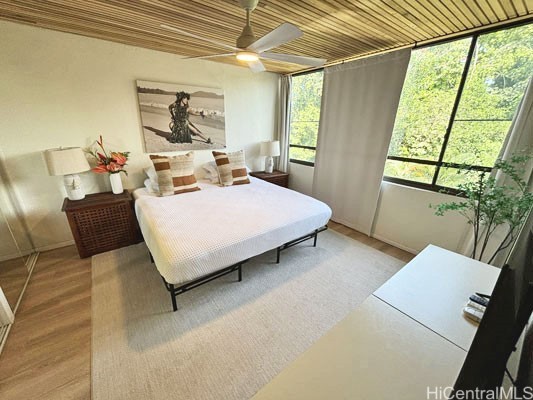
{"x":371,"y":242}
{"x":48,"y":352}
{"x":13,"y":275}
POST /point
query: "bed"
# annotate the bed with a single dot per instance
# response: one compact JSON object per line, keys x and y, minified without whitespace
{"x":198,"y":236}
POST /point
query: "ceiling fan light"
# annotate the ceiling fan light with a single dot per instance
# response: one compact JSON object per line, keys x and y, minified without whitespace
{"x":247,"y":56}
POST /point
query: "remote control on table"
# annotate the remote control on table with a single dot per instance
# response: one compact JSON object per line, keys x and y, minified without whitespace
{"x":479,"y":300}
{"x":473,"y":313}
{"x":475,"y":305}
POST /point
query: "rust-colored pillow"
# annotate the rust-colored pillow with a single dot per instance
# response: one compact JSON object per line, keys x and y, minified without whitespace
{"x":175,"y":174}
{"x":231,"y":168}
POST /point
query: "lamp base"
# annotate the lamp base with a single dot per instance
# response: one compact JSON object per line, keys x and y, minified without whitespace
{"x":73,"y":187}
{"x":269,"y":164}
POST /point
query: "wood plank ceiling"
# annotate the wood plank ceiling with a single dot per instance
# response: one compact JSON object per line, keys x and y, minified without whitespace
{"x":333,"y":29}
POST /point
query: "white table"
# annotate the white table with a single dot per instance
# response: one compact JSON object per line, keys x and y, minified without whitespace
{"x":392,"y":346}
{"x":433,"y":289}
{"x":368,"y":355}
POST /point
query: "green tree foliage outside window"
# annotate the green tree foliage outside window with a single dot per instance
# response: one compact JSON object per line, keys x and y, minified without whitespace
{"x":500,"y":68}
{"x":305,"y":115}
{"x":487,"y":204}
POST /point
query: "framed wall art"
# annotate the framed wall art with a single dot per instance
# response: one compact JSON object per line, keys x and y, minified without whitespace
{"x":177,"y":117}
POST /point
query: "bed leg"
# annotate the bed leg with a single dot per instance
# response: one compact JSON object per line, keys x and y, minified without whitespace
{"x":278,"y":255}
{"x":240,"y":272}
{"x":316,"y":238}
{"x":151,"y":258}
{"x":173,"y":297}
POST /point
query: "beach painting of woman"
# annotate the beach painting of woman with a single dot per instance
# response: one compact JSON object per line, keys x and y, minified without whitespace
{"x":178,"y":117}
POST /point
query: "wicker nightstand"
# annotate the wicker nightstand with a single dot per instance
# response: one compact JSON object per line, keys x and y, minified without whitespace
{"x":102,"y":222}
{"x":276,"y":177}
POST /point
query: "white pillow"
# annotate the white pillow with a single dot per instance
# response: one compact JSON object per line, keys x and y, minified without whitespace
{"x":148,"y":186}
{"x":213,"y":178}
{"x":150,"y":173}
{"x":152,"y":178}
{"x":211,"y":172}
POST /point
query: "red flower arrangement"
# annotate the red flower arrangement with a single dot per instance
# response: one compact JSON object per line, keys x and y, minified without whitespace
{"x":113,"y":163}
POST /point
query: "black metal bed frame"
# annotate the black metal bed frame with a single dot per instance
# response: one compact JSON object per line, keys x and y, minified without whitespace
{"x":177,"y":290}
{"x":312,"y":235}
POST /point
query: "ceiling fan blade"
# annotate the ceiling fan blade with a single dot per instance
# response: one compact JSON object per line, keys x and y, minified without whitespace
{"x":192,"y":35}
{"x":301,"y":60}
{"x":256,"y":66}
{"x":208,"y":56}
{"x":281,"y":35}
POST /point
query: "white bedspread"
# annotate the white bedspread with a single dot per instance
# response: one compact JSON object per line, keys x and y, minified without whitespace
{"x":193,"y":234}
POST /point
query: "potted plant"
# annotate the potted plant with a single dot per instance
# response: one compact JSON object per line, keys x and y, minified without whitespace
{"x":112,"y":163}
{"x":487,"y":205}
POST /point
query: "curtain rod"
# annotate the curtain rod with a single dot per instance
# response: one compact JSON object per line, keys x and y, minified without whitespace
{"x":522,"y":20}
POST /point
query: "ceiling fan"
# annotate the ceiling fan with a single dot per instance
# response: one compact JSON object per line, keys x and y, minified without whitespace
{"x":250,"y":49}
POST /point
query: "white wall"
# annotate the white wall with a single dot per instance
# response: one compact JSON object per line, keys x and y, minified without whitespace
{"x":403,"y":218}
{"x":59,"y":89}
{"x":301,"y":178}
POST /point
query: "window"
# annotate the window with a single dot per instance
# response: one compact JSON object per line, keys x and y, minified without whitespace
{"x":456,"y":107}
{"x":305,"y":116}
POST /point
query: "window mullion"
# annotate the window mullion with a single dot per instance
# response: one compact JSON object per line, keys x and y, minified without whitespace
{"x":454,"y":108}
{"x":298,"y":146}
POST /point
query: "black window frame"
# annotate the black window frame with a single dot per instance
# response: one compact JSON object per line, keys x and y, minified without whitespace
{"x":440,"y":163}
{"x":302,"y":162}
{"x":298,"y":146}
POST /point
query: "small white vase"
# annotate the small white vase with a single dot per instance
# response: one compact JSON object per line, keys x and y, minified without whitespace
{"x":116,"y":183}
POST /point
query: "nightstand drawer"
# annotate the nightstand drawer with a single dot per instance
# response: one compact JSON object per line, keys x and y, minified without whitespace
{"x":280,"y":181}
{"x":276,"y":177}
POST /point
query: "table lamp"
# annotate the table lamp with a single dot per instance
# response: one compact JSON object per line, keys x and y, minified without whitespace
{"x":68,"y":161}
{"x":270,"y":149}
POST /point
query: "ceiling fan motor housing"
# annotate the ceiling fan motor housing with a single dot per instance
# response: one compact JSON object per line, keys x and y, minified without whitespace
{"x":250,"y":50}
{"x":247,"y":37}
{"x":248,"y":4}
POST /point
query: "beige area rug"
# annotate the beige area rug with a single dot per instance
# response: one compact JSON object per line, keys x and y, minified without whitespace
{"x":228,"y":339}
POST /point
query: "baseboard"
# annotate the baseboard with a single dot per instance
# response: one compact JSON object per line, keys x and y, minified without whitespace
{"x":11,"y":256}
{"x":348,"y":224}
{"x":38,"y":249}
{"x":378,"y":237}
{"x":55,"y":246}
{"x":395,"y":244}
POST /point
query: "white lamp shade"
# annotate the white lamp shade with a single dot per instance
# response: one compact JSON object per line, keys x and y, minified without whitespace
{"x":66,"y":161}
{"x":270,"y":149}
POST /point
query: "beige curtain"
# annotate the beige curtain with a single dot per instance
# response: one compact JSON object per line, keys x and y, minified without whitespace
{"x":284,"y":114}
{"x":519,"y":138}
{"x":359,"y":103}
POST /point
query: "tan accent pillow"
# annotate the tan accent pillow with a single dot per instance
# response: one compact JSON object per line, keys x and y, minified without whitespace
{"x":231,"y":168}
{"x":224,"y":168}
{"x":238,"y":168}
{"x":175,"y":174}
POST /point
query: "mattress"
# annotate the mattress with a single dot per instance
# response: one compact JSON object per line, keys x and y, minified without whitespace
{"x":193,"y":234}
